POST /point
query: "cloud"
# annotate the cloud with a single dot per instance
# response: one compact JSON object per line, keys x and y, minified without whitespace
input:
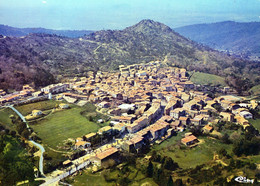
{"x":44,"y":2}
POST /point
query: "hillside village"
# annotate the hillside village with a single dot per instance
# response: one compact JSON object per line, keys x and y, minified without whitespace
{"x":146,"y":104}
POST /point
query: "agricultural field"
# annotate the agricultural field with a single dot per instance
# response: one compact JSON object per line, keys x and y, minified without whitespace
{"x":134,"y":176}
{"x":207,"y":79}
{"x":42,"y":105}
{"x":5,"y":119}
{"x":64,"y":124}
{"x":190,"y":158}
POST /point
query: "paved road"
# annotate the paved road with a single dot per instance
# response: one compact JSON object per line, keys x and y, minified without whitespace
{"x":71,"y":170}
{"x":39,"y":146}
{"x":19,"y":114}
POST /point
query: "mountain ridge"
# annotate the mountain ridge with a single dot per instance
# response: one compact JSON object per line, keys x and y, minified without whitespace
{"x":106,"y":49}
{"x":234,"y":37}
{"x":19,"y":32}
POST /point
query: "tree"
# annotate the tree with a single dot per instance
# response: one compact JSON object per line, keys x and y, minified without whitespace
{"x":178,"y":182}
{"x":20,"y":127}
{"x":225,"y":139}
{"x":235,"y":136}
{"x":149,"y":170}
{"x":222,"y":152}
{"x":170,"y":181}
{"x":25,"y":134}
{"x":156,"y":157}
{"x":170,"y":164}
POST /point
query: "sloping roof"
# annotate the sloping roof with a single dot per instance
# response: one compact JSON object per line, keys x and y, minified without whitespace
{"x":92,"y":134}
{"x":106,"y":153}
{"x":188,"y":139}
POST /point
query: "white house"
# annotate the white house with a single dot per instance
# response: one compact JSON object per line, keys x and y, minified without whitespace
{"x":246,"y":114}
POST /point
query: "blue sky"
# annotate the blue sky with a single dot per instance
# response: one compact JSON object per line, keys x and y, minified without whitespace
{"x":118,"y":14}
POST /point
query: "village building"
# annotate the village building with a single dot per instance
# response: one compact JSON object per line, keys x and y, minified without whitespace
{"x":90,"y":136}
{"x":82,"y":145}
{"x":197,"y":120}
{"x":134,"y":144}
{"x":102,"y":157}
{"x":246,"y":114}
{"x":178,"y":112}
{"x":104,"y":104}
{"x":105,"y":130}
{"x":227,"y":116}
{"x":55,"y":88}
{"x":190,"y":140}
{"x":184,"y":120}
{"x":207,"y":129}
{"x":63,"y":106}
{"x":36,"y":112}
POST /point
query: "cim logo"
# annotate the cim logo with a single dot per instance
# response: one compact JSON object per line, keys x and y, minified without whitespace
{"x":242,"y":179}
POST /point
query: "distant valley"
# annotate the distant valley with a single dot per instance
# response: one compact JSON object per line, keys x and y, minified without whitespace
{"x":233,"y":37}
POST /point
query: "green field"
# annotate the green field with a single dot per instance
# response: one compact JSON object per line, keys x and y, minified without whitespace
{"x":255,"y":123}
{"x":255,"y":90}
{"x":42,"y":105}
{"x":190,"y":158}
{"x":135,"y":177}
{"x":5,"y":119}
{"x":61,"y":125}
{"x":90,"y":179}
{"x":207,"y":79}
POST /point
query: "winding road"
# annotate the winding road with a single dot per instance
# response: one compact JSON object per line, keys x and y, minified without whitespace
{"x":37,"y":145}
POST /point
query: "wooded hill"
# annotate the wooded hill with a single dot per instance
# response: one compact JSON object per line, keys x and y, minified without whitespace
{"x":39,"y":58}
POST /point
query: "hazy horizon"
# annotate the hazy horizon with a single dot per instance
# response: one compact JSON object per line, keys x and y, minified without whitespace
{"x":114,"y":14}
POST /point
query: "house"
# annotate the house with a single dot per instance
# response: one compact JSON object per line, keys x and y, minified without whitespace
{"x":55,"y":88}
{"x":90,"y":136}
{"x":170,"y":106}
{"x":125,"y":119}
{"x":134,"y":144}
{"x":158,"y":129}
{"x":103,"y":156}
{"x":2,"y":92}
{"x":190,"y":140}
{"x":67,"y":163}
{"x":138,"y":124}
{"x":246,"y":114}
{"x":104,"y":104}
{"x":184,"y":120}
{"x":175,"y":124}
{"x":242,"y":121}
{"x":79,"y":139}
{"x":82,"y":145}
{"x":176,"y":113}
{"x":36,"y":112}
{"x":197,"y":120}
{"x":120,"y":127}
{"x":227,"y":116}
{"x":37,"y":94}
{"x":207,"y":129}
{"x":63,"y":106}
{"x":106,"y":129}
{"x":205,"y":112}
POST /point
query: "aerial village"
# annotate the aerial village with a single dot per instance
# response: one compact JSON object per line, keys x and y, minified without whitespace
{"x":146,"y":104}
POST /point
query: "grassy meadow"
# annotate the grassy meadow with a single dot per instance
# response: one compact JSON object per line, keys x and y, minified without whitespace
{"x":5,"y":117}
{"x":135,"y":177}
{"x":190,"y":158}
{"x":42,"y":105}
{"x":207,"y":79}
{"x":64,"y":124}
